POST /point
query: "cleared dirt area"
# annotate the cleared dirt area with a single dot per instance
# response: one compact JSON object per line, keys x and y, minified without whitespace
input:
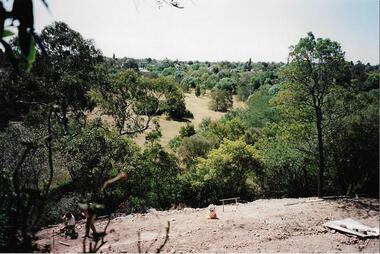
{"x":274,"y":225}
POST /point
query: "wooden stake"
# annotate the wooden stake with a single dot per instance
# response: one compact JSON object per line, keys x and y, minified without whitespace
{"x":53,"y":239}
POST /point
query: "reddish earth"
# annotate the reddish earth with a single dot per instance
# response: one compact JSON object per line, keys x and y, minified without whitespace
{"x":274,"y":225}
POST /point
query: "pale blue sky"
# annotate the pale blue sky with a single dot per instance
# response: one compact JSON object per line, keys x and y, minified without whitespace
{"x":218,"y":29}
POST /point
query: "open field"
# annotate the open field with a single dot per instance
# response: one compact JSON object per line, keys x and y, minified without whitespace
{"x":170,"y":128}
{"x":274,"y":225}
{"x":199,"y":107}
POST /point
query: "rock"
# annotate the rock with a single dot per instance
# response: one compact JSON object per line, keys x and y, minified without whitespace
{"x":188,"y":210}
{"x":152,"y":210}
{"x":172,"y":219}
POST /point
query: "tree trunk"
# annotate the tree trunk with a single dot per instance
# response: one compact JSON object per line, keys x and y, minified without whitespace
{"x":318,"y":113}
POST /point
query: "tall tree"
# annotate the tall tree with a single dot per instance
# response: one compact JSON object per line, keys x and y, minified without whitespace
{"x":315,"y":65}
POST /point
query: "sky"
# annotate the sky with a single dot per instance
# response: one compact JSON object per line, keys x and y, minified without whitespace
{"x":215,"y":30}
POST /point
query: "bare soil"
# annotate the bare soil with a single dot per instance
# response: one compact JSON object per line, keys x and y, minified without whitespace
{"x":273,"y":225}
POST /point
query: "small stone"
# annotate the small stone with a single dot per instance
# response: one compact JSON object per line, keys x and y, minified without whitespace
{"x":172,"y":219}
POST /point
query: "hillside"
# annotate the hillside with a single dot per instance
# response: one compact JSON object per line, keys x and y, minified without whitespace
{"x":274,"y":225}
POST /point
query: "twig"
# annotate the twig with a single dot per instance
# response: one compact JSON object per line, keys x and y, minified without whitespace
{"x":166,"y":238}
{"x":158,"y":235}
{"x":63,"y":243}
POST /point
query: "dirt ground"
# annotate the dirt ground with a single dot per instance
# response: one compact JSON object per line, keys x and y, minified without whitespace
{"x":274,"y":225}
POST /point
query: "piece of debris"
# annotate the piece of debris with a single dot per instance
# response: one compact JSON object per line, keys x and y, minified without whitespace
{"x":304,"y":201}
{"x":353,"y":227}
{"x":63,"y":243}
{"x":212,"y":210}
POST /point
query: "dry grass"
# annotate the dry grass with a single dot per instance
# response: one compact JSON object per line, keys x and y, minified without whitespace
{"x":170,"y":128}
{"x":198,"y":106}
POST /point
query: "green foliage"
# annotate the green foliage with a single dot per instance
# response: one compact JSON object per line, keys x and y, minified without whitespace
{"x":197,"y":91}
{"x":153,"y":137}
{"x":134,"y":100}
{"x":290,"y":166}
{"x":193,"y":147}
{"x":215,"y":132}
{"x":225,"y":173}
{"x":354,"y":141}
{"x":25,"y":181}
{"x":211,"y":81}
{"x":221,"y":100}
{"x":315,"y":66}
{"x":260,"y":111}
{"x":131,"y":64}
{"x":22,"y":11}
{"x":153,"y":182}
{"x":175,"y":106}
{"x":227,"y":84}
{"x":95,"y":155}
{"x":187,"y":131}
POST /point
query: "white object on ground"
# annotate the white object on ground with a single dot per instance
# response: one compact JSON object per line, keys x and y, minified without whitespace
{"x":353,"y":227}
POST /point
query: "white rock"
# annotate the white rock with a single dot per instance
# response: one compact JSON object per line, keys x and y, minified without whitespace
{"x":152,"y":210}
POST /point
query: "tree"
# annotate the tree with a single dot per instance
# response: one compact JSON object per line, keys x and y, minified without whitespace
{"x":131,"y":99}
{"x":197,"y":91}
{"x":131,"y":64}
{"x":187,"y":130}
{"x":221,"y":100}
{"x":227,"y":84}
{"x":229,"y":167}
{"x":94,"y":155}
{"x":315,"y":65}
{"x":162,"y":174}
{"x":248,"y":65}
{"x":193,"y":147}
{"x":67,"y":75}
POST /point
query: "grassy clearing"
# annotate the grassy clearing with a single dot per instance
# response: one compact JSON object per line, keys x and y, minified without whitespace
{"x":198,"y":106}
{"x":170,"y":128}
